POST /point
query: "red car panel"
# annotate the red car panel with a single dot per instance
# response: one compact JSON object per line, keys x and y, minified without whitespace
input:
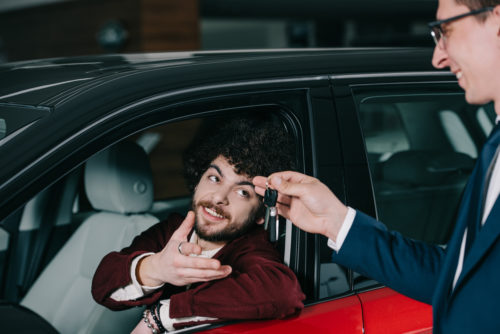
{"x":386,"y":311}
{"x":343,"y":315}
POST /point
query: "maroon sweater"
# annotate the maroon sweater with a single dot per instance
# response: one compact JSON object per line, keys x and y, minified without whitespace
{"x":260,"y":286}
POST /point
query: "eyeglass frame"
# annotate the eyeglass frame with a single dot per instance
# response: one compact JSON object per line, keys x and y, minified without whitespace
{"x":437,"y":32}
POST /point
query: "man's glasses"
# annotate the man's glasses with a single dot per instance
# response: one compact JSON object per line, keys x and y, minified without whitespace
{"x":437,"y":32}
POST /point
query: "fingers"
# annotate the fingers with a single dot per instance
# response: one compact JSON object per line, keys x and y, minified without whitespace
{"x":260,"y":187}
{"x":197,"y":263}
{"x":291,"y":183}
{"x":280,"y":180}
{"x":284,"y":211}
{"x":187,"y":225}
{"x":192,"y":275}
{"x":260,"y":184}
{"x":276,"y":179}
{"x":187,"y":248}
{"x":287,"y":183}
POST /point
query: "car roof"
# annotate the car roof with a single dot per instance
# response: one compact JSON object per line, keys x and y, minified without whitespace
{"x":47,"y":82}
{"x":51,"y":108}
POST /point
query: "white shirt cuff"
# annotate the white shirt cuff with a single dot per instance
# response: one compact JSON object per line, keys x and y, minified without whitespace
{"x":168,"y":322}
{"x":344,"y":230}
{"x":134,"y":290}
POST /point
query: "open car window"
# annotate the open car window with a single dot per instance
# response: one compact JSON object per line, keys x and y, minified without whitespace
{"x":79,"y":232}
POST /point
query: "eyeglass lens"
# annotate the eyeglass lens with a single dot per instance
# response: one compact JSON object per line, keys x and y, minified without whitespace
{"x":437,"y":36}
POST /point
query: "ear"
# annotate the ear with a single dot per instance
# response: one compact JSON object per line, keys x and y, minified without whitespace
{"x":496,"y":17}
{"x":260,"y":221}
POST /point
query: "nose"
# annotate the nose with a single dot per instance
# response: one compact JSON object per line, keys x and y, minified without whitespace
{"x":440,"y":58}
{"x":221,"y":196}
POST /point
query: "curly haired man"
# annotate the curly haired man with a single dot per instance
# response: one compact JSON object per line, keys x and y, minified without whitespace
{"x":216,"y":263}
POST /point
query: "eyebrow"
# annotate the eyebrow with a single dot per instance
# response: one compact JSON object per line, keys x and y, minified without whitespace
{"x":241,"y":183}
{"x":246,"y":183}
{"x":216,"y":168}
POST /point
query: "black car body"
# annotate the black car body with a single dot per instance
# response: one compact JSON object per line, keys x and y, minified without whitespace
{"x":364,"y":120}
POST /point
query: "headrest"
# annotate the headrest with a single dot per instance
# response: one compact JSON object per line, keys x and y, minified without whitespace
{"x":421,"y":167}
{"x":119,"y":179}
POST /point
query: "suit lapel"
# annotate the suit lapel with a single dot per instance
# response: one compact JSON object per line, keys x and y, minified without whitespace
{"x":484,"y":240}
{"x":453,"y":249}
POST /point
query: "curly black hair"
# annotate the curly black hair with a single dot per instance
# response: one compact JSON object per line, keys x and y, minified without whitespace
{"x":253,"y":146}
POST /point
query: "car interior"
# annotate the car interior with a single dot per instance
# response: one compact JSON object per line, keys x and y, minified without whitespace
{"x":420,"y":154}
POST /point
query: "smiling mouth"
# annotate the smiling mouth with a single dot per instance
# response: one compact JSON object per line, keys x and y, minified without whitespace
{"x":213,"y":212}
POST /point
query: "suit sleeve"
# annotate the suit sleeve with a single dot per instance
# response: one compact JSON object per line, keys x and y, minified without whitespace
{"x":259,"y":287}
{"x":113,"y":271}
{"x":408,"y":266}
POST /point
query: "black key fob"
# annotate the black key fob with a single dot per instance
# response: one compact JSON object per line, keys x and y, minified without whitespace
{"x":271,"y":218}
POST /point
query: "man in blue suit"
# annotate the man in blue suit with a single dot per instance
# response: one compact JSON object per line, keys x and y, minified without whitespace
{"x":462,"y":281}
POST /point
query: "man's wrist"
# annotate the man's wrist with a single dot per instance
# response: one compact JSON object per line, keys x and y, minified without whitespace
{"x":334,"y":222}
{"x":143,"y":270}
{"x":343,"y":231}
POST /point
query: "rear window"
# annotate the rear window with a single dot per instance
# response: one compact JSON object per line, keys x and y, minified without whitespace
{"x":421,"y":149}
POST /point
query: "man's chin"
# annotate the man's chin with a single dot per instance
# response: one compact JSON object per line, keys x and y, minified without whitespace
{"x":208,"y":232}
{"x":476,"y":99}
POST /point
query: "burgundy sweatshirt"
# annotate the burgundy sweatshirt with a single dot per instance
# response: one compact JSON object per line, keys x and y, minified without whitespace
{"x":260,"y":286}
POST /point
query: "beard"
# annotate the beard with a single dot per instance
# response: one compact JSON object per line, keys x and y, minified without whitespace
{"x":230,"y":231}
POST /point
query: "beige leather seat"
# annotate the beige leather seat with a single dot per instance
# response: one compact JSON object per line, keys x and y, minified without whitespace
{"x":118,"y":183}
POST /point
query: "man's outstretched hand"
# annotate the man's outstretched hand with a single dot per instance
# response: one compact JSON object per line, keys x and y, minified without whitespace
{"x":170,"y":266}
{"x":307,"y":202}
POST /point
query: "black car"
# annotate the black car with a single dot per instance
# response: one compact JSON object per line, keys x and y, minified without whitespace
{"x":386,"y":132}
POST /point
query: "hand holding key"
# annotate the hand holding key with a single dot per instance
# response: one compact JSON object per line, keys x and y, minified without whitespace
{"x":308,"y":203}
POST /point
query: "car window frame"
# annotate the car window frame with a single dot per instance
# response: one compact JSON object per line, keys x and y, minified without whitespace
{"x":163,"y":112}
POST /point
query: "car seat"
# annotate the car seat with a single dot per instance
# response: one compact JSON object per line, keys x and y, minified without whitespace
{"x":119,"y":186}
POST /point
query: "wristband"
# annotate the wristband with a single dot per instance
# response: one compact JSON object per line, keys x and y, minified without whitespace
{"x":155,"y":312}
{"x":146,"y":321}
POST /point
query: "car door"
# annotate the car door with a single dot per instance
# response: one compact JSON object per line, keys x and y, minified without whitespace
{"x":300,"y":104}
{"x":330,"y":306}
{"x":410,"y":142}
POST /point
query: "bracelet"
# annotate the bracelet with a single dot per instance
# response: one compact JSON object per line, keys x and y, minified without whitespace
{"x":155,"y":311}
{"x":146,"y":321}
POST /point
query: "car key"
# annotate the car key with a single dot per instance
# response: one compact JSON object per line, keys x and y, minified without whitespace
{"x":271,"y":219}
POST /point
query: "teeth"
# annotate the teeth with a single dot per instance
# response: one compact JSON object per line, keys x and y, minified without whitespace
{"x":459,"y":74}
{"x":213,"y":213}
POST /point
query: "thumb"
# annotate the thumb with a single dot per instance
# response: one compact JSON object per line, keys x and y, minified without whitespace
{"x":187,"y":225}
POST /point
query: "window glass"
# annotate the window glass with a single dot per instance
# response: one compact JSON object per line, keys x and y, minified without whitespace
{"x":4,"y":244}
{"x":165,"y":145}
{"x":4,"y":240}
{"x":420,"y":152}
{"x":457,"y":133}
{"x":334,"y":278}
{"x":383,"y":129}
{"x":484,"y":121}
{"x":3,"y":128}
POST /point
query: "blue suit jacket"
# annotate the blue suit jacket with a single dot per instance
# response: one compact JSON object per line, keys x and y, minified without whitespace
{"x":425,"y":272}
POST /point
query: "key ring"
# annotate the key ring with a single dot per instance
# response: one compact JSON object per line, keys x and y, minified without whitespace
{"x":179,"y":248}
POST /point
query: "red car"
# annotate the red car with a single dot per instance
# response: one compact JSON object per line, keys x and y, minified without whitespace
{"x":387,"y":133}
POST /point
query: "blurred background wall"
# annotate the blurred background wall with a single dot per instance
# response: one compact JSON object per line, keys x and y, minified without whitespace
{"x":51,"y":28}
